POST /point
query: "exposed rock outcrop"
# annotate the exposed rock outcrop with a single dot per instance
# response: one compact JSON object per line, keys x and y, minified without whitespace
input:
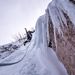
{"x":61,"y":30}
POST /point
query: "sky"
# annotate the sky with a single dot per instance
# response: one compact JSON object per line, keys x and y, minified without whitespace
{"x":15,"y":15}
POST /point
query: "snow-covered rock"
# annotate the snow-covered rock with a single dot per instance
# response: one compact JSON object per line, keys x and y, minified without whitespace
{"x":61,"y":31}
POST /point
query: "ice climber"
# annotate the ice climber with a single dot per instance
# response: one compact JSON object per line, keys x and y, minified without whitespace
{"x":29,"y":36}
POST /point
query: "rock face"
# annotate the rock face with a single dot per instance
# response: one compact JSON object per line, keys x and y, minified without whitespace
{"x":61,"y":31}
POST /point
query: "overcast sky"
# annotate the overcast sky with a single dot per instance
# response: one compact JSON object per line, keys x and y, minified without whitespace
{"x":15,"y":15}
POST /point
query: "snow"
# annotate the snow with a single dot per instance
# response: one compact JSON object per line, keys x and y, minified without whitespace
{"x":36,"y":58}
